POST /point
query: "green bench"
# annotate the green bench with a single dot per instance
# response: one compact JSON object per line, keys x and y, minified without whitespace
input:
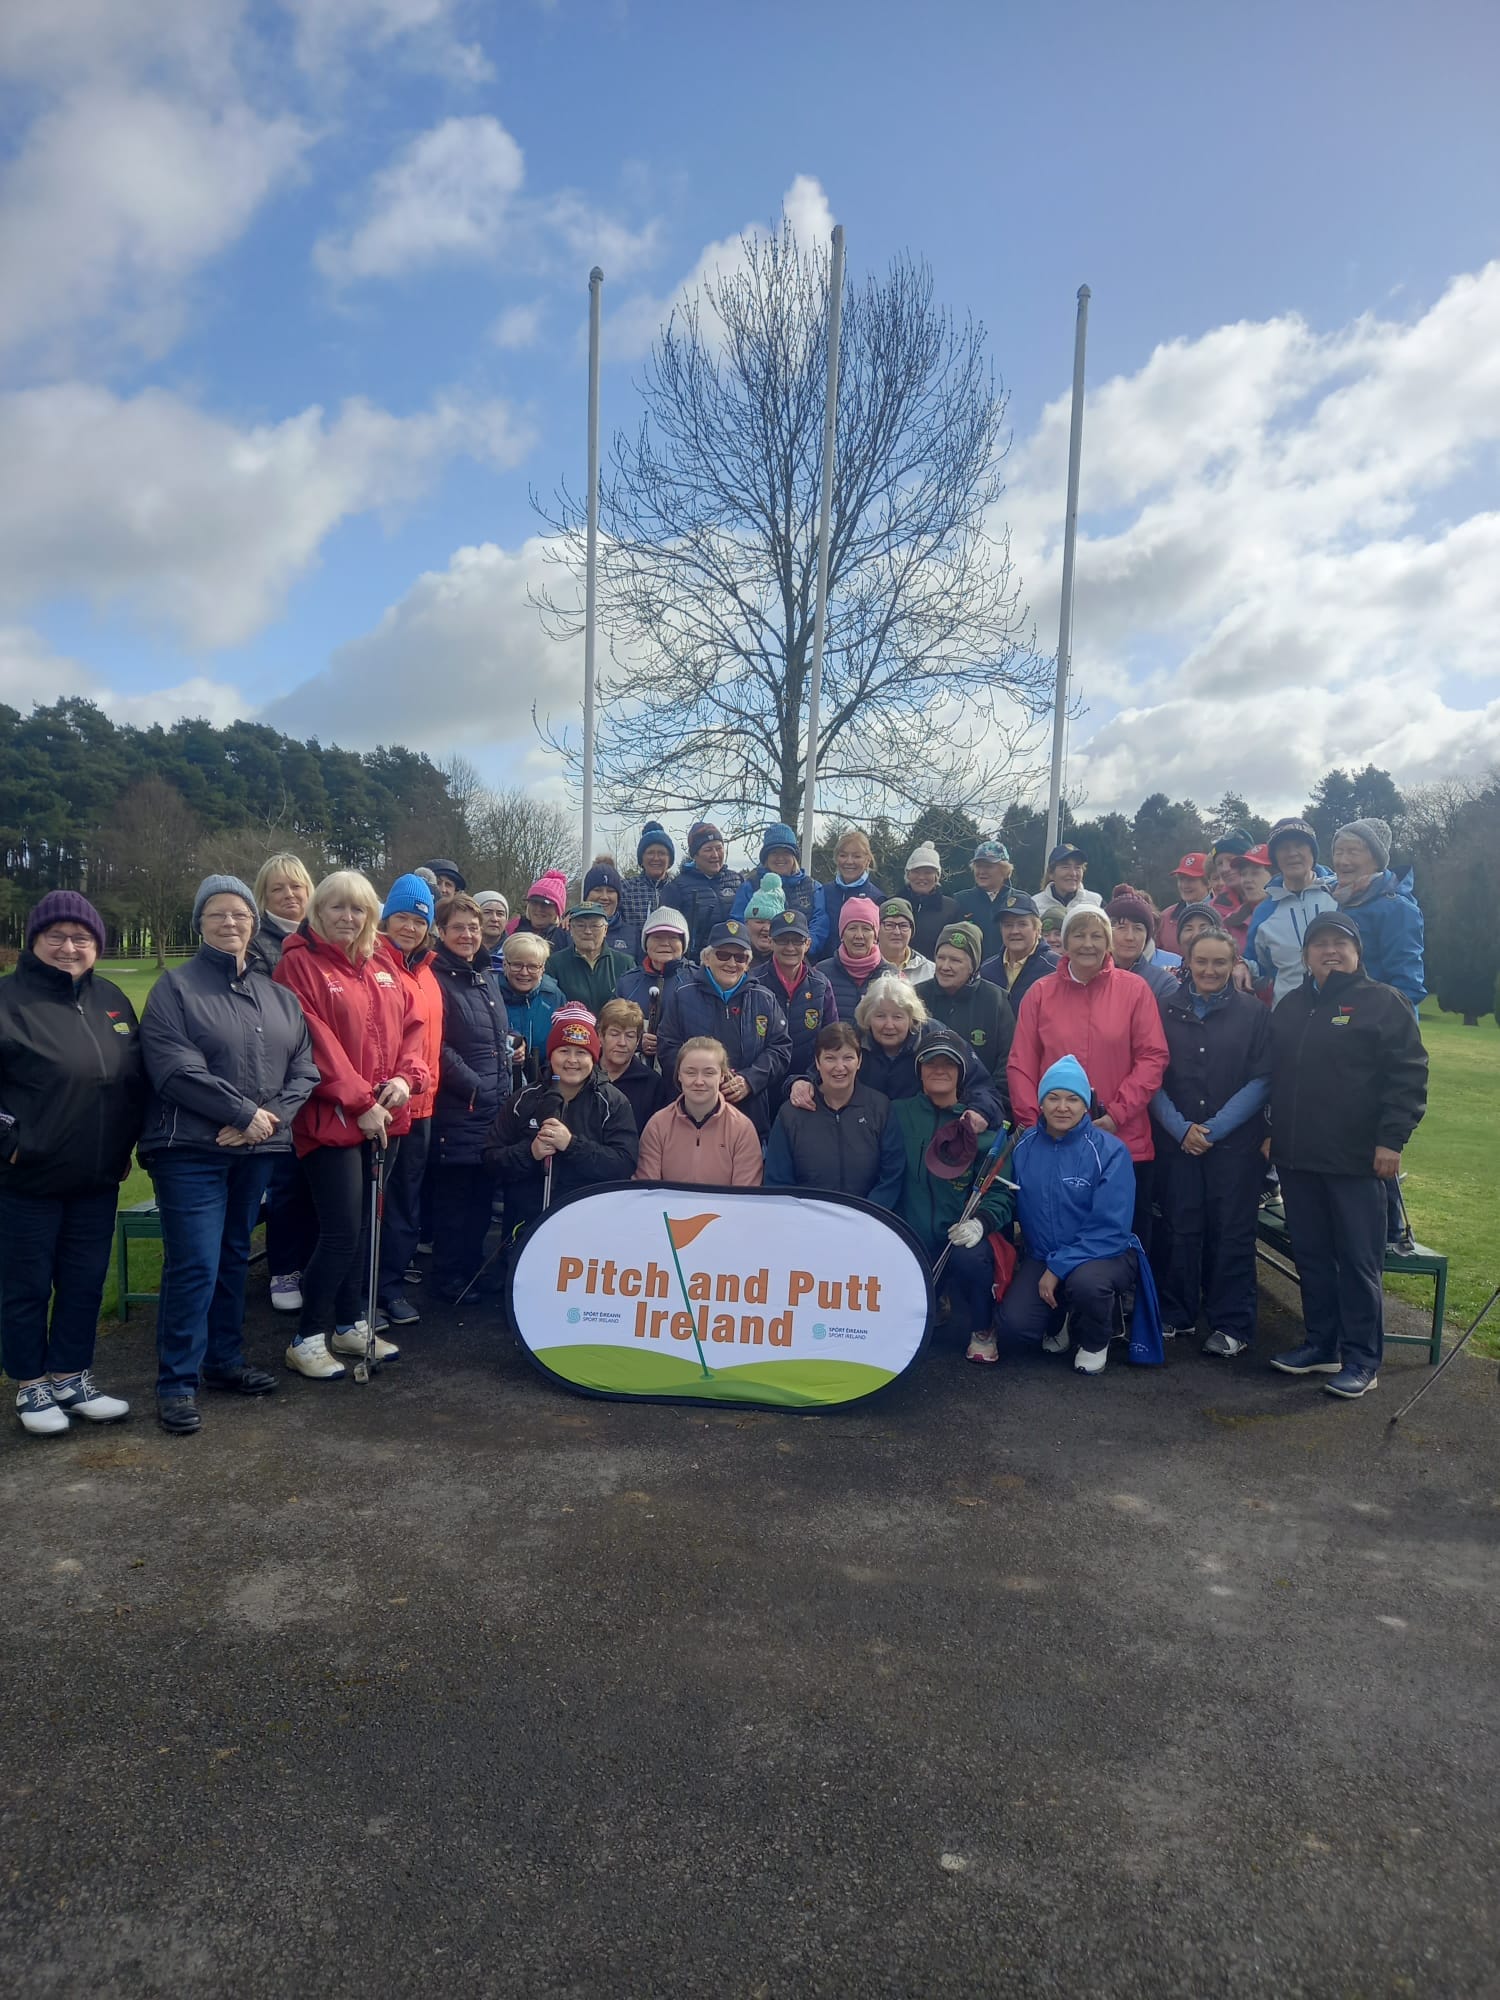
{"x":135,"y":1225}
{"x":1275,"y":1246}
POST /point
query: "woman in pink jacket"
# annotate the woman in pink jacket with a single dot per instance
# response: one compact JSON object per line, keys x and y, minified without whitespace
{"x":701,"y":1138}
{"x":1109,"y":1021}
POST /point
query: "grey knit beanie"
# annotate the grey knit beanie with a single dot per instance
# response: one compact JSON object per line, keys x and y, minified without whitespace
{"x":224,"y":885}
{"x":1375,"y":834}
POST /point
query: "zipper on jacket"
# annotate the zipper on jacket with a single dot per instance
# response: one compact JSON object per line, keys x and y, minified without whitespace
{"x":83,"y":1015}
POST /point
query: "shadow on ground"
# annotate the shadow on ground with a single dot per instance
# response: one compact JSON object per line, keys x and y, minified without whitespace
{"x":1180,"y":1682}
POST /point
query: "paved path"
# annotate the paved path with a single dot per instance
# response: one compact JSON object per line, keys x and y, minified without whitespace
{"x":1175,"y":1683}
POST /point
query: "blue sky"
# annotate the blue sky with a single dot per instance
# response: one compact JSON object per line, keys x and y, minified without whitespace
{"x":295,"y":295}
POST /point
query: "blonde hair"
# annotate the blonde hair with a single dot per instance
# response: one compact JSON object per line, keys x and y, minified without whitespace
{"x":350,"y":886}
{"x":853,"y":836}
{"x":888,"y":991}
{"x":1077,"y":916}
{"x":620,"y":1014}
{"x":291,"y":865}
{"x":526,"y":947}
{"x":702,"y":1045}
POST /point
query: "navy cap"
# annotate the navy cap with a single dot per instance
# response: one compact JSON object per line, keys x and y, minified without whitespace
{"x":731,"y":931}
{"x":1065,"y":851}
{"x":1334,"y":920}
{"x":789,"y":923}
{"x":1019,"y":905}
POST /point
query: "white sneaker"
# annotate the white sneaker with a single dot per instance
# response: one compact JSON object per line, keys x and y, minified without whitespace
{"x":983,"y":1347}
{"x":1090,"y":1364}
{"x":80,"y":1395}
{"x":1057,"y":1343}
{"x":311,"y":1357}
{"x":286,"y":1293}
{"x":357,"y":1342}
{"x":37,"y":1411}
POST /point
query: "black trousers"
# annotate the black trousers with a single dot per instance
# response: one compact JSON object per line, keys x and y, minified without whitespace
{"x":1337,"y":1226}
{"x":403,"y":1208}
{"x":1088,"y":1296}
{"x":291,"y":1219}
{"x":460,"y":1221}
{"x":335,"y":1276}
{"x":1143,"y":1222}
{"x":1204,"y":1252}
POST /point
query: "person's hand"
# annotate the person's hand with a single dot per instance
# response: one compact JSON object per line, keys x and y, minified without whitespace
{"x":734,"y":1089}
{"x":1197,"y":1142}
{"x":1387,"y":1163}
{"x":1104,"y":1123}
{"x":261,"y":1127}
{"x":648,"y":1043}
{"x":801,"y":1094}
{"x":1265,"y":1147}
{"x":1244,"y":979}
{"x":541,"y":1149}
{"x":230,"y":1135}
{"x":557,"y":1135}
{"x":1046,"y":1284}
{"x":976,"y":1122}
{"x":964,"y":1235}
{"x":375,"y":1123}
{"x":395,"y":1094}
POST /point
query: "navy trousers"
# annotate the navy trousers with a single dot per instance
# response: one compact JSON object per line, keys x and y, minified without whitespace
{"x":54,"y":1258}
{"x":1204,"y":1251}
{"x":291,"y":1219}
{"x":403,"y":1209}
{"x":209,"y":1203}
{"x":1089,"y":1298}
{"x":1337,"y":1224}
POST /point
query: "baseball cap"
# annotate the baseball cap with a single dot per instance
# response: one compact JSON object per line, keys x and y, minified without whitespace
{"x":1194,"y":866}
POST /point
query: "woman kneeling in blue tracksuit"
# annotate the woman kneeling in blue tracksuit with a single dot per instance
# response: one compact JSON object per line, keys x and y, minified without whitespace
{"x":1080,"y":1257}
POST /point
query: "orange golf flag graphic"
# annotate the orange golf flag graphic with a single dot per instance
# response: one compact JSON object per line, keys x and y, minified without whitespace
{"x":683,"y":1232}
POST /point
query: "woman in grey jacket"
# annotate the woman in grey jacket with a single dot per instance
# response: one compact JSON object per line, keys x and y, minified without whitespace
{"x":229,"y":1063}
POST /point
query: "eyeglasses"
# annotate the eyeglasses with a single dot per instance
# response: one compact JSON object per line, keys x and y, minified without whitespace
{"x":73,"y":940}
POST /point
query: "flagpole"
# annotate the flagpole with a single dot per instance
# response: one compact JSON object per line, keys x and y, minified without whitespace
{"x":596,"y":284}
{"x":1065,"y":613}
{"x":825,"y":511}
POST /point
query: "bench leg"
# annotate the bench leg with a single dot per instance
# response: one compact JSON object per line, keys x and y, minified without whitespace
{"x":1439,"y":1311}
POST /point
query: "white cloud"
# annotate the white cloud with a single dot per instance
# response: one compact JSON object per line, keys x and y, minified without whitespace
{"x":115,"y":198}
{"x":201,"y":526}
{"x":518,"y":326}
{"x":1267,"y":582}
{"x":454,"y":194}
{"x":65,"y":41}
{"x":328,"y":32}
{"x":635,"y":326}
{"x":32,"y":673}
{"x":456,"y":664}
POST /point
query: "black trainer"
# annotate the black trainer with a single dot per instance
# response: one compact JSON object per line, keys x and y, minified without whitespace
{"x":400,"y":1311}
{"x":242,"y":1381}
{"x":178,"y":1414}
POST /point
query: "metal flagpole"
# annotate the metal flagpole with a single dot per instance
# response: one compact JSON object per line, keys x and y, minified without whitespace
{"x":1065,"y":614}
{"x":596,"y":284}
{"x":820,"y":614}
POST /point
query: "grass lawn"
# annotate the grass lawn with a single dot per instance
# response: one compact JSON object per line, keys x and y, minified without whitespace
{"x":1450,"y":1189}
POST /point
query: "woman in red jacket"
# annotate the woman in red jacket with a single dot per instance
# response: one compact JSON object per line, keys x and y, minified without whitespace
{"x":1109,"y":1021}
{"x":367,"y":1041}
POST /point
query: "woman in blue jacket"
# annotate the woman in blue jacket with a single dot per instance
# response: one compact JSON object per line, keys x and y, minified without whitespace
{"x":1081,"y":1258}
{"x":473,"y":1081}
{"x":531,"y":997}
{"x":1208,"y":1126}
{"x":778,"y":852}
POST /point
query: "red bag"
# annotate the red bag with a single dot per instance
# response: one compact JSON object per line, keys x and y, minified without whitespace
{"x":1004,"y":1253}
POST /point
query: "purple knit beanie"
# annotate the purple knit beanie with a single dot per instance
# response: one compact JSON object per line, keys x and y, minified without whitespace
{"x":65,"y":906}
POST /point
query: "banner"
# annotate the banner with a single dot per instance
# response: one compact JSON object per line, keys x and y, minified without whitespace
{"x":671,"y":1294}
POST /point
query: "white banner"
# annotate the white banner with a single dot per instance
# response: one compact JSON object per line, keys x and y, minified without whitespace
{"x":794,"y":1301}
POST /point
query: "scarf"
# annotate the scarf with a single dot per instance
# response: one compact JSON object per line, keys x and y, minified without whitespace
{"x":850,"y":887}
{"x":860,"y":968}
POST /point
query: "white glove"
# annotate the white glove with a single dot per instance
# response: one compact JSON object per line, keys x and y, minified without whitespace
{"x":964,"y":1235}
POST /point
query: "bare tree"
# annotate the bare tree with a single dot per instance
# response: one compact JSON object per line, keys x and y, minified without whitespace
{"x":515,"y":838}
{"x":708,"y":556}
{"x":153,"y":846}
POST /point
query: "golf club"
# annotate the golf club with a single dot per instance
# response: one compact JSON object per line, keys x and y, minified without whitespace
{"x":999,"y":1156}
{"x":367,"y":1362}
{"x":1450,"y":1356}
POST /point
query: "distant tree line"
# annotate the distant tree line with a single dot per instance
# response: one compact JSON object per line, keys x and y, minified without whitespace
{"x":135,"y":817}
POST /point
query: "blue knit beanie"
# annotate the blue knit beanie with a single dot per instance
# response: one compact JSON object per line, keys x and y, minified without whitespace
{"x":654,"y":834}
{"x":224,"y":885}
{"x":779,"y":835}
{"x":410,"y":896}
{"x":1067,"y":1073}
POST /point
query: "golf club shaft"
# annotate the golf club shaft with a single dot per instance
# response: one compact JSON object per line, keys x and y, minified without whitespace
{"x":1451,"y":1355}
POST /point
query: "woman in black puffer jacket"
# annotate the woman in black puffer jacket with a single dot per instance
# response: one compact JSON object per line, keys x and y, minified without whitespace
{"x":72,"y":1091}
{"x":473,"y":1081}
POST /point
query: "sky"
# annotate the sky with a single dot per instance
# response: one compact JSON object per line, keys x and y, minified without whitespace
{"x":293,"y":299}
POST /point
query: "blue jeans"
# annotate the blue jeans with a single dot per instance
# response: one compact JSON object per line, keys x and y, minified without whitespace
{"x":53,"y":1252}
{"x":209,"y":1203}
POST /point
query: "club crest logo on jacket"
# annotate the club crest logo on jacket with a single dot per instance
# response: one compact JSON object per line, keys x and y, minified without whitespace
{"x":384,"y":979}
{"x":811,"y":1019}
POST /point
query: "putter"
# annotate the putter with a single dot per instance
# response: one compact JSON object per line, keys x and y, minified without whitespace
{"x":1452,"y":1355}
{"x":999,"y":1157}
{"x":367,"y":1364}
